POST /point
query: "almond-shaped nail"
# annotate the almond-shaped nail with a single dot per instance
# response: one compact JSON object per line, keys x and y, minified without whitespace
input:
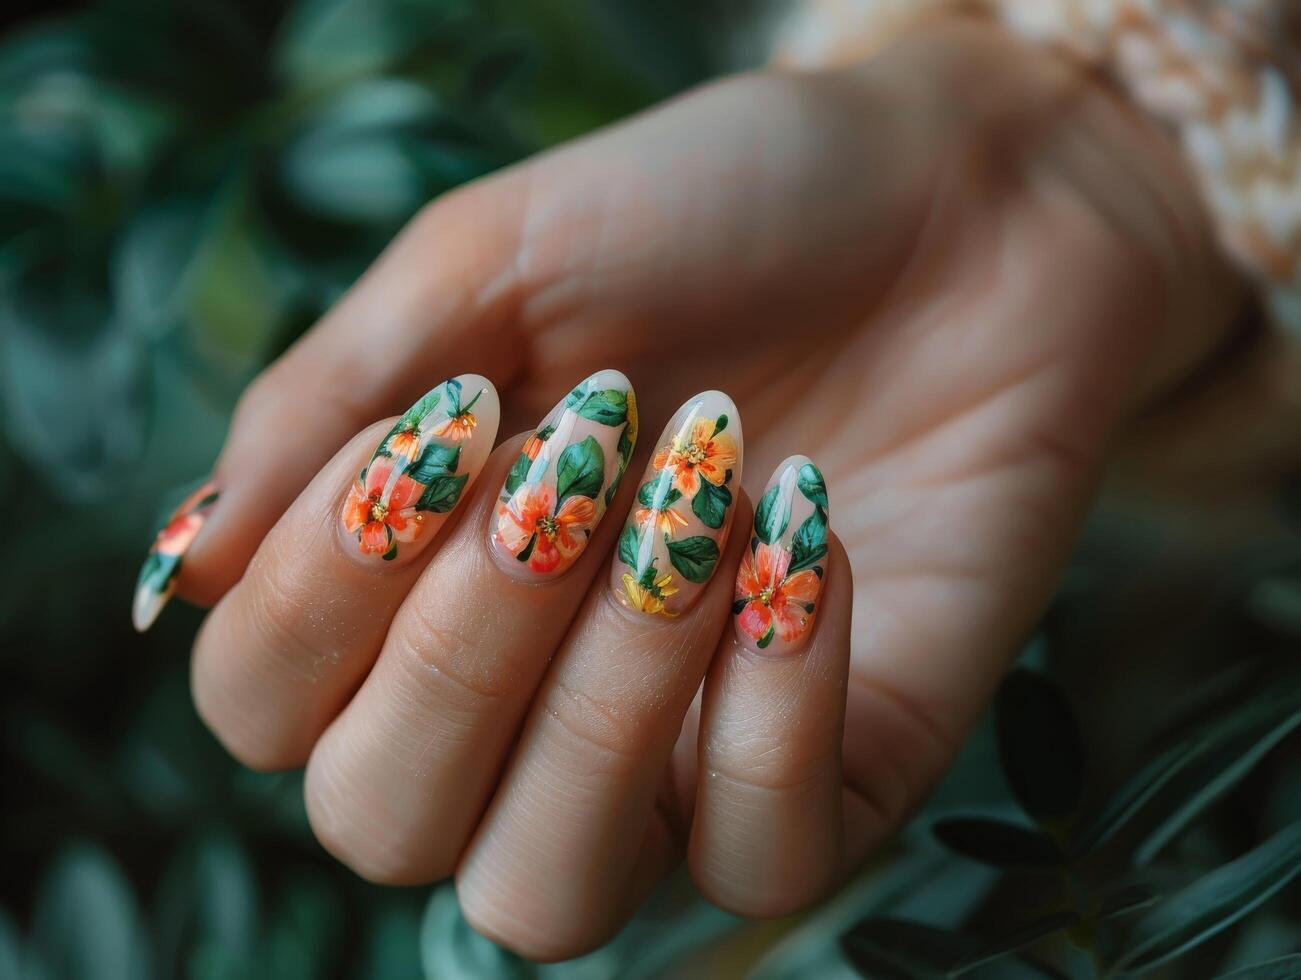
{"x":565,"y":477}
{"x":420,"y":470}
{"x":671,"y":542}
{"x":162,"y":565}
{"x":780,"y":578}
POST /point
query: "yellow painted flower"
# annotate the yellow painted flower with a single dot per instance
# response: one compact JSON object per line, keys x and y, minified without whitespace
{"x":649,"y":599}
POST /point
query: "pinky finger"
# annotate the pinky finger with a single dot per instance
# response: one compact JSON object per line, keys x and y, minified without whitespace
{"x":768,"y":832}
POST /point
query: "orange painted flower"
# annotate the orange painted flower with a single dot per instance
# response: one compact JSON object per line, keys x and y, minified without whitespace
{"x":705,"y":455}
{"x":381,"y":520}
{"x":667,"y":520}
{"x":458,"y":427}
{"x":405,"y":442}
{"x":773,"y":603}
{"x":531,"y":529}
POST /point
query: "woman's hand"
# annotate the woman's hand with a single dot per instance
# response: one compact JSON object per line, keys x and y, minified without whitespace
{"x":948,"y":275}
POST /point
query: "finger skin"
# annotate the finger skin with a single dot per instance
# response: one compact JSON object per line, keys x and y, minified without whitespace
{"x":283,"y":650}
{"x":573,"y":839}
{"x":397,"y":784}
{"x":439,"y":301}
{"x":767,"y":838}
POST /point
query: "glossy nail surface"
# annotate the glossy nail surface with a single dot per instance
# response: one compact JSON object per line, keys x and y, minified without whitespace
{"x":669,"y":547}
{"x":157,"y":579}
{"x":419,"y":471}
{"x":565,"y":477}
{"x":780,"y":578}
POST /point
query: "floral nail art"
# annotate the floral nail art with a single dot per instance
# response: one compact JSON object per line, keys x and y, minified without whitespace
{"x":162,"y":565}
{"x":670,"y":545}
{"x":780,"y":578}
{"x":420,"y":470}
{"x":567,"y":473}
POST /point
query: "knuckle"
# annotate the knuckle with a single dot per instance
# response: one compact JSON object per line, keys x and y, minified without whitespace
{"x":448,"y":658}
{"x":599,"y":729}
{"x":542,"y":937}
{"x":348,"y":822}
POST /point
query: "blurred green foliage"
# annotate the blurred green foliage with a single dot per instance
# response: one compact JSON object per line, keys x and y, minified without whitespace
{"x":185,"y":185}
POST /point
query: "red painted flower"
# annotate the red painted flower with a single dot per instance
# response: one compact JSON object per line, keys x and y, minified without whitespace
{"x":529,"y":518}
{"x":773,"y":602}
{"x":378,"y":518}
{"x":180,"y":531}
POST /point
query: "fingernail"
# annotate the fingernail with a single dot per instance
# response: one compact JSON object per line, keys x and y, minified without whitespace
{"x":157,"y":579}
{"x":781,"y":574}
{"x":565,"y":477}
{"x":419,"y":472}
{"x":670,"y":545}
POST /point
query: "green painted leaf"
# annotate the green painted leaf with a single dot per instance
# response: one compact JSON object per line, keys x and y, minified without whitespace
{"x":581,"y":470}
{"x":771,"y":516}
{"x":528,"y":549}
{"x":812,"y":485}
{"x":434,"y":460}
{"x":518,"y":471}
{"x":994,"y":842}
{"x":453,"y":396}
{"x":694,"y":557}
{"x":767,"y":637}
{"x":720,"y":424}
{"x":646,"y":495}
{"x":738,"y":605}
{"x":1283,"y":968}
{"x":607,"y":406}
{"x":710,"y":504}
{"x":443,"y":493}
{"x":417,"y":412}
{"x":1039,"y":746}
{"x":1212,"y":903}
{"x":625,"y":453}
{"x":158,"y":571}
{"x":628,"y":546}
{"x":809,"y":545}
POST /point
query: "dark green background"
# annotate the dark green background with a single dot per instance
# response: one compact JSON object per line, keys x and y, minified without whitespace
{"x":184,"y":187}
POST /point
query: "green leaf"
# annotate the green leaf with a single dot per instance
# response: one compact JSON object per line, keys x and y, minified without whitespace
{"x":895,"y":949}
{"x":443,"y":493}
{"x":1222,"y":769}
{"x":993,"y":842}
{"x":86,"y":921}
{"x":720,"y":424}
{"x":158,"y":571}
{"x":772,"y":515}
{"x":628,"y":546}
{"x":581,"y":470}
{"x":1283,"y":968}
{"x":434,"y":460}
{"x":1039,"y":746}
{"x":453,"y":387}
{"x":646,"y":495}
{"x":812,"y":485}
{"x":518,"y":471}
{"x":767,"y":637}
{"x":710,"y":504}
{"x":694,"y":557}
{"x":416,"y":413}
{"x":608,"y":406}
{"x":809,"y":545}
{"x":1213,"y":902}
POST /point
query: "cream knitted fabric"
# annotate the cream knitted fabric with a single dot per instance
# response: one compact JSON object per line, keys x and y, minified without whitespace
{"x":1221,"y":76}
